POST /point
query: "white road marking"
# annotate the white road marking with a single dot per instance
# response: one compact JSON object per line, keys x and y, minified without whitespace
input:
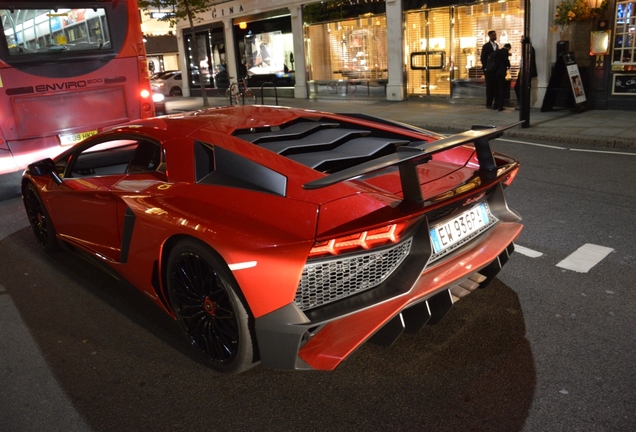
{"x":604,"y":151}
{"x":533,"y":144}
{"x":527,"y":252}
{"x":566,"y":148}
{"x":585,"y":257}
{"x":242,"y":266}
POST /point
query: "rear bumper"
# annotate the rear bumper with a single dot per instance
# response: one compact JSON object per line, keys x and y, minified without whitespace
{"x":288,"y":339}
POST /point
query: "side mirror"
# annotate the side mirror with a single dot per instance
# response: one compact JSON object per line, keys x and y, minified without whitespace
{"x":43,"y":168}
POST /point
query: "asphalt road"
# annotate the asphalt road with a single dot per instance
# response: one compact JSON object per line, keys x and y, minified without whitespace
{"x":542,"y":349}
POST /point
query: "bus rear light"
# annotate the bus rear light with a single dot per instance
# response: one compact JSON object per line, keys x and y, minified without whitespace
{"x":145,"y":94}
{"x":363,"y":240}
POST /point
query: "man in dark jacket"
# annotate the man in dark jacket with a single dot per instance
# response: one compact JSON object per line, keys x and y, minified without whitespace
{"x":502,"y":63}
{"x":491,"y":83}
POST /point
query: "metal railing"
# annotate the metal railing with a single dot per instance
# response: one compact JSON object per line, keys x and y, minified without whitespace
{"x":269,"y":84}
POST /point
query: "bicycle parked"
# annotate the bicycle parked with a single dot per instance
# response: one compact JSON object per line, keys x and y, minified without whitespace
{"x":340,"y":86}
{"x":239,"y":93}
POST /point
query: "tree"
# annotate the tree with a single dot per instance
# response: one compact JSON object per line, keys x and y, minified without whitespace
{"x":178,"y":10}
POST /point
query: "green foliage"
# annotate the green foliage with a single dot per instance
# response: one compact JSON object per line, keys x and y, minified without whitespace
{"x":337,"y":10}
{"x":178,"y":9}
{"x":576,"y":10}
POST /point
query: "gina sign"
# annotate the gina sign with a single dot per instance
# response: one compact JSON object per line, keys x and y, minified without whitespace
{"x":226,"y":11}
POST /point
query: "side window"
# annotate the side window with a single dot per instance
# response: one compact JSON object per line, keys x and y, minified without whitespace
{"x":203,"y":160}
{"x":147,"y":158}
{"x":115,"y":157}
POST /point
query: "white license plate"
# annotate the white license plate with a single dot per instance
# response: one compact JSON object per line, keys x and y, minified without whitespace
{"x":69,"y":139}
{"x":445,"y":235}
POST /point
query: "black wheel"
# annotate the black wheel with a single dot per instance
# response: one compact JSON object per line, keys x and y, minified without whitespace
{"x":175,"y":91}
{"x":39,"y":219}
{"x":204,"y":298}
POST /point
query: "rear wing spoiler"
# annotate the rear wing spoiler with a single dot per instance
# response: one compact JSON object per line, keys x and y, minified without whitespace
{"x":407,"y":159}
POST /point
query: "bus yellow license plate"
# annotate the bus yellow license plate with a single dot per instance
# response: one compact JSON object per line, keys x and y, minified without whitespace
{"x":69,"y":139}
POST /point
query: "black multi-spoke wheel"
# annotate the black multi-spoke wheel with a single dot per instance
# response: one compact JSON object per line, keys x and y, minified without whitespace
{"x":204,"y":298}
{"x":39,"y":219}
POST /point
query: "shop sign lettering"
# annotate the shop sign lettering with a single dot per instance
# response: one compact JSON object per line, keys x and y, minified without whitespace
{"x":226,"y":11}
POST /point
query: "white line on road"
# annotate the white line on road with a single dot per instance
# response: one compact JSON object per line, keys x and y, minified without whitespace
{"x":604,"y":151}
{"x":585,"y":257}
{"x":527,"y":252}
{"x":532,"y":144}
{"x":566,"y":148}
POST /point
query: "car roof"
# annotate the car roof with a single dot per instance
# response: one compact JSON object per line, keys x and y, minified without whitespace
{"x":166,"y":74}
{"x":223,"y":120}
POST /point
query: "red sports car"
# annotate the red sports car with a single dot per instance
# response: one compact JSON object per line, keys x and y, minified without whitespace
{"x":281,"y":235}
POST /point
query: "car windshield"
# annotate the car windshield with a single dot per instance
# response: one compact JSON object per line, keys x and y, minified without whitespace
{"x":47,"y":31}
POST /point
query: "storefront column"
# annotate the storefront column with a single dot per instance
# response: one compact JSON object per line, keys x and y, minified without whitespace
{"x":395,"y":86}
{"x":544,"y":43}
{"x":300,"y":71}
{"x":230,"y":50}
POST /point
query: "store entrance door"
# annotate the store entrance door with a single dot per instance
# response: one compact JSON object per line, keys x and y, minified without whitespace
{"x":428,"y":37}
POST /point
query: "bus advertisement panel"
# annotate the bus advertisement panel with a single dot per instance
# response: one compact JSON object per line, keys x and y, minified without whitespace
{"x":68,"y":69}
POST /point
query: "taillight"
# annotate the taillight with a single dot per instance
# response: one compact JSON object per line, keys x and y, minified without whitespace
{"x":145,"y":94}
{"x":362,"y":240}
{"x":511,"y":177}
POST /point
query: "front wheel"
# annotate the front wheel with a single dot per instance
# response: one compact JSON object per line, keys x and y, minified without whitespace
{"x":204,"y":298}
{"x":39,"y":219}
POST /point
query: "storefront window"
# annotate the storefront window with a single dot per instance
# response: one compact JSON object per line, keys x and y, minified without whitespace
{"x":268,"y":53}
{"x":625,"y":35}
{"x":209,"y":64}
{"x":346,"y":46}
{"x":443,"y":46}
{"x":265,"y":50}
{"x":348,"y":49}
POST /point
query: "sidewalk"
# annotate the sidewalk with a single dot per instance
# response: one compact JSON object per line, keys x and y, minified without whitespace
{"x":600,"y":128}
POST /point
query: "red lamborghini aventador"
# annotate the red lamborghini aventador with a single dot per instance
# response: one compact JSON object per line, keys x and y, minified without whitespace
{"x":283,"y":236}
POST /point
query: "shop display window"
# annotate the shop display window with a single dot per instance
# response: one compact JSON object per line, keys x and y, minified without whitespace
{"x":625,"y":35}
{"x":268,"y":53}
{"x":354,"y":48}
{"x":443,"y":46}
{"x":209,"y":65}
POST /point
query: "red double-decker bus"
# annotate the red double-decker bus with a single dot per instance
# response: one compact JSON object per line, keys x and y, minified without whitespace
{"x":68,"y":69}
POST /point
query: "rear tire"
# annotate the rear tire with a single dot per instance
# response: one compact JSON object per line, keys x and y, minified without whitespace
{"x":176,"y":91}
{"x":205,"y":300}
{"x":39,"y":219}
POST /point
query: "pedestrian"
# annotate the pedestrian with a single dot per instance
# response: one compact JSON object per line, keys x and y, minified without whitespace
{"x":533,"y":70}
{"x":502,"y":64}
{"x":487,"y":49}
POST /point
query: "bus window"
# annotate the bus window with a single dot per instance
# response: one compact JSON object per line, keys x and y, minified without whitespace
{"x":36,"y":31}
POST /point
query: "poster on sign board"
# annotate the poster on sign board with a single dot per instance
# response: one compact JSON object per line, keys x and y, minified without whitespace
{"x":576,"y":83}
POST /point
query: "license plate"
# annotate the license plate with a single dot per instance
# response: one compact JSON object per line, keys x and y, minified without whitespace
{"x":445,"y":235}
{"x":69,"y":139}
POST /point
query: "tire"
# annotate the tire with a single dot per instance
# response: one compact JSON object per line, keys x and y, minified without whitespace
{"x":204,"y":298}
{"x":39,"y":219}
{"x":176,"y":91}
